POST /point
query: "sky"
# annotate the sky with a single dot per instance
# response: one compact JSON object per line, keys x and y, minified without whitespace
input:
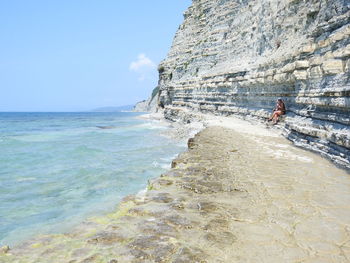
{"x":65,"y":55}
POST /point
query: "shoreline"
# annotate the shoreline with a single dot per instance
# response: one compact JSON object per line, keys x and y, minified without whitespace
{"x":156,"y":165}
{"x":209,"y":203}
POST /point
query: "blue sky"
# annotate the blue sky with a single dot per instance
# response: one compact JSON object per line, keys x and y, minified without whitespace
{"x":65,"y":55}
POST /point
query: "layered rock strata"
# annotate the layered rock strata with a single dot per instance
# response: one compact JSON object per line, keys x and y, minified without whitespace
{"x":238,"y":57}
{"x":145,"y":106}
{"x":230,"y":198}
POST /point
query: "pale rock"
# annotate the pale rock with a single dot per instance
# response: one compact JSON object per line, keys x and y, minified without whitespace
{"x":316,"y":60}
{"x":343,"y":52}
{"x":347,"y":66}
{"x":148,"y":105}
{"x":281,"y":77}
{"x":334,"y":66}
{"x":315,"y":72}
{"x":324,"y":43}
{"x":309,"y":48}
{"x":300,"y":74}
{"x":338,"y":36}
{"x":301,"y":64}
{"x":328,"y":56}
{"x":260,"y":80}
{"x":4,"y":249}
{"x":289,"y":67}
{"x":269,"y":72}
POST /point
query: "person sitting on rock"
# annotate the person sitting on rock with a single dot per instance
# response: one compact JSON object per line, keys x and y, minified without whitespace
{"x":279,"y":110}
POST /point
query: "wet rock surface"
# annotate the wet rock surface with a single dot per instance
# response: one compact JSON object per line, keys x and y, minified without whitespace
{"x":232,"y":197}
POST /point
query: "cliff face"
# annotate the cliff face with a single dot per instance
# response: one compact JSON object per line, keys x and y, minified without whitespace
{"x":239,"y":56}
{"x":148,"y":105}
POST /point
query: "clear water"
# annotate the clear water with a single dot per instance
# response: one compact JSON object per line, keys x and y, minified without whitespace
{"x":56,"y":169}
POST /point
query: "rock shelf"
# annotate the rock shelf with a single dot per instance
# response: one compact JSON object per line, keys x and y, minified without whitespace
{"x":232,"y":197}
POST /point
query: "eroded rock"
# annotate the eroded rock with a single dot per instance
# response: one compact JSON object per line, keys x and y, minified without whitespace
{"x":107,"y":238}
{"x":185,"y":255}
{"x":4,"y":249}
{"x":221,"y":238}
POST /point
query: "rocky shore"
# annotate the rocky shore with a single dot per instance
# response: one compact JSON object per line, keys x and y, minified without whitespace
{"x":241,"y":193}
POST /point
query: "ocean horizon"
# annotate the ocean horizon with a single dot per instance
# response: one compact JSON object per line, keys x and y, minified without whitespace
{"x":59,"y":168}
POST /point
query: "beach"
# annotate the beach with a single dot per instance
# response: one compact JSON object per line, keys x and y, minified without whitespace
{"x":198,"y":131}
{"x":240,"y":193}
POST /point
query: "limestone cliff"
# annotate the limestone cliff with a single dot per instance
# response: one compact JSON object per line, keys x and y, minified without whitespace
{"x":239,"y":56}
{"x":148,"y":105}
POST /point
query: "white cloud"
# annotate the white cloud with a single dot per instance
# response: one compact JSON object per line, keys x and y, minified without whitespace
{"x":142,"y":63}
{"x":144,"y":67}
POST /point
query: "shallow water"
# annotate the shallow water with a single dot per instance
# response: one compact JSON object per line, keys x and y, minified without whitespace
{"x":56,"y":169}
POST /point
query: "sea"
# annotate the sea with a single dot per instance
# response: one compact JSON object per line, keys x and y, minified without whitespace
{"x":58,"y":169}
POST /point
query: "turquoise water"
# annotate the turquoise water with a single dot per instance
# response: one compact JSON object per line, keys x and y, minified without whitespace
{"x":57,"y":169}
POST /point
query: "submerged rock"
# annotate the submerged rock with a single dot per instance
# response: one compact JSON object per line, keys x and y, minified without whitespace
{"x":190,"y":143}
{"x":107,"y":238}
{"x":4,"y":249}
{"x":186,"y":254}
{"x":221,"y":238}
{"x":106,"y":127}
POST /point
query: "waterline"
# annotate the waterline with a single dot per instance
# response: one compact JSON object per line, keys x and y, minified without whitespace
{"x":56,"y":169}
